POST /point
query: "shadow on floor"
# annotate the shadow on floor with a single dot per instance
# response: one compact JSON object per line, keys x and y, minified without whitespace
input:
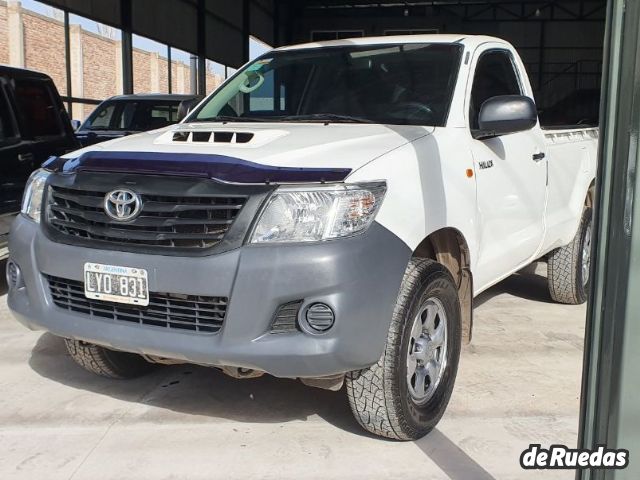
{"x":451,"y":458}
{"x":195,"y":390}
{"x":526,"y":284}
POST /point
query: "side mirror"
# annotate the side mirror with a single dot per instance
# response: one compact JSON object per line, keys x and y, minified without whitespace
{"x":186,"y":106}
{"x":75,"y":124}
{"x":505,"y":114}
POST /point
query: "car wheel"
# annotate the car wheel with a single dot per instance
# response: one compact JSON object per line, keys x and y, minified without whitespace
{"x":568,"y":267}
{"x":405,"y":394}
{"x":105,"y":362}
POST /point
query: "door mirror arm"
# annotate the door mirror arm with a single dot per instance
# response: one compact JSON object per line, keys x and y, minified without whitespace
{"x":483,"y":134}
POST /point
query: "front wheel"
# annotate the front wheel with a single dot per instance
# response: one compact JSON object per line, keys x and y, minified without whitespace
{"x":105,"y":362}
{"x":405,"y":394}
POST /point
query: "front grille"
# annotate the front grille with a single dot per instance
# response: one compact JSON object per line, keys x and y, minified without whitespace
{"x":167,"y":222}
{"x":167,"y":310}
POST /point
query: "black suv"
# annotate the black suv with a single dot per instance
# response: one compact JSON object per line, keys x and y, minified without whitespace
{"x":33,"y":126}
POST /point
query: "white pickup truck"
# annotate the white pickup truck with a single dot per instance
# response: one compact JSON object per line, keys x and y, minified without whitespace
{"x":327,"y":214}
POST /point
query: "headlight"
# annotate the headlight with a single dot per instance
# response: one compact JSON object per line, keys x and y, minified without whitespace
{"x":32,"y":199}
{"x":305,"y":214}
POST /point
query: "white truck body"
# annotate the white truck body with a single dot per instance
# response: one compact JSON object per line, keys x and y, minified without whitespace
{"x":510,"y":214}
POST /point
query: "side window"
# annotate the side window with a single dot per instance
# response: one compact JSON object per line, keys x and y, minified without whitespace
{"x":262,"y":99}
{"x":126,"y":115}
{"x":495,"y":75}
{"x":40,"y":113}
{"x":174,"y":113}
{"x":6,"y":126}
{"x":168,"y":113}
{"x":150,"y":116}
{"x":102,"y":118}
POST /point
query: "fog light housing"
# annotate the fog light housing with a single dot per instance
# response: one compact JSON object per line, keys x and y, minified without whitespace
{"x":14,"y":275}
{"x":319,"y":317}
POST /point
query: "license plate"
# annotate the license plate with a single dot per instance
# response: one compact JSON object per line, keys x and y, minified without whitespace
{"x":112,"y":283}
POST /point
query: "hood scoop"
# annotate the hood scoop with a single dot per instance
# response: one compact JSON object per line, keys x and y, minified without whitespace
{"x":220,"y":137}
{"x":212,"y":137}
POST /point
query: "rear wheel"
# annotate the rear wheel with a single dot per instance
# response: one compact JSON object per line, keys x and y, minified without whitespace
{"x":405,"y":394}
{"x":105,"y":362}
{"x":568,"y":267}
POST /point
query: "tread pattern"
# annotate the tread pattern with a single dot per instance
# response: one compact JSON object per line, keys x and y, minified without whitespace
{"x":373,"y":394}
{"x":564,"y":265}
{"x":105,"y":362}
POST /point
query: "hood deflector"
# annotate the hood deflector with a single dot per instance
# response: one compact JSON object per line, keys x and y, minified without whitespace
{"x":216,"y":167}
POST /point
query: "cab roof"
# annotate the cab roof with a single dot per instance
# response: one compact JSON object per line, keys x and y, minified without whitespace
{"x":153,"y":96}
{"x":16,"y":72}
{"x":469,"y":41}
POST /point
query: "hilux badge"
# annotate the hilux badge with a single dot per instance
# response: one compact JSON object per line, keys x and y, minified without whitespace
{"x":485,"y":164}
{"x":122,"y":205}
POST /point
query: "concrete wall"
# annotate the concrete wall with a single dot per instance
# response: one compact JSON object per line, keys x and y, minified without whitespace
{"x":35,"y":41}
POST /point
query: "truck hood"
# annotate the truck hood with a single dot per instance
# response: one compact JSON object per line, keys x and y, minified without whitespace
{"x":246,"y":152}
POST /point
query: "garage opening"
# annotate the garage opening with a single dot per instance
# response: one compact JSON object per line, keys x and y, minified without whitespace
{"x":519,"y":381}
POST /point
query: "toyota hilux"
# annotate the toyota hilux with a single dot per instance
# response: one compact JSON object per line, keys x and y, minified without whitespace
{"x":328,"y":214}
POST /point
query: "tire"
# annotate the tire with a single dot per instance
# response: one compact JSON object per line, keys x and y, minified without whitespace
{"x":568,"y":281}
{"x":382,"y":396}
{"x":105,"y":362}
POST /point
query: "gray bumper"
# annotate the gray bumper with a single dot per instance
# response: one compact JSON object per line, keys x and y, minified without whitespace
{"x":359,"y":277}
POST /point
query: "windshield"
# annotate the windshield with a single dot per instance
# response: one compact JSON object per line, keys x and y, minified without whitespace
{"x":137,"y":116}
{"x":388,"y":84}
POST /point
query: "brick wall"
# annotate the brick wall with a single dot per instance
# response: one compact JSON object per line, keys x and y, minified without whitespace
{"x":95,"y":60}
{"x":213,"y":81}
{"x":4,"y":33}
{"x":163,"y":74}
{"x":98,"y":66}
{"x":141,"y":71}
{"x":44,"y":47}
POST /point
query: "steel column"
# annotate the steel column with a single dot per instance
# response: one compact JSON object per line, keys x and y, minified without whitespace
{"x":127,"y":46}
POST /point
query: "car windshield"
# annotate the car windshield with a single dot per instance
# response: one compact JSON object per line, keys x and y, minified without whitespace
{"x":410,"y":84}
{"x":136,"y":115}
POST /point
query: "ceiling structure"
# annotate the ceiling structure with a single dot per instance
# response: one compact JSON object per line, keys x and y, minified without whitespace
{"x":559,"y":40}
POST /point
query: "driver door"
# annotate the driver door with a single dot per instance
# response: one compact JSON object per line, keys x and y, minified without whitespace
{"x":511,"y":176}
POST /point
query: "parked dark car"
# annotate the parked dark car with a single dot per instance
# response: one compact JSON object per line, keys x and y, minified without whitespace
{"x":33,"y":126}
{"x":127,"y":114}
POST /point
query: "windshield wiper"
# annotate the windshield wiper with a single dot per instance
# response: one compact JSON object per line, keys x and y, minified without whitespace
{"x":313,"y":117}
{"x":228,"y":118}
{"x":326,"y":117}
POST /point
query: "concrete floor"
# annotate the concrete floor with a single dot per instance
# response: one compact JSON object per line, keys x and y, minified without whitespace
{"x":518,"y":383}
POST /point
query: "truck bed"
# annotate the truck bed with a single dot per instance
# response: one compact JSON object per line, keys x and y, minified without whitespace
{"x":570,"y":134}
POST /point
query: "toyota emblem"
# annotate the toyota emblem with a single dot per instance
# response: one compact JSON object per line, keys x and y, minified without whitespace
{"x":122,"y":205}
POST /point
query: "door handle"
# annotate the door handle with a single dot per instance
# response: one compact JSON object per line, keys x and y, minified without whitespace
{"x":538,"y":156}
{"x":25,"y":157}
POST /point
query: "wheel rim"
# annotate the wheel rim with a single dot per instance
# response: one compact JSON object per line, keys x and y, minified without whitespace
{"x":427,"y":351}
{"x":586,"y":255}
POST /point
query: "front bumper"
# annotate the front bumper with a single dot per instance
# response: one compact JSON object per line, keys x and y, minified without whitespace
{"x":358,"y":277}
